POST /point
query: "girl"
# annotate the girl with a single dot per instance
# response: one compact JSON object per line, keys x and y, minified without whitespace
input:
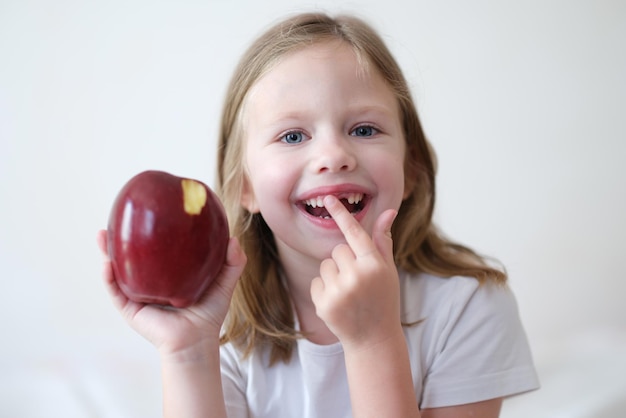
{"x":338,"y":297}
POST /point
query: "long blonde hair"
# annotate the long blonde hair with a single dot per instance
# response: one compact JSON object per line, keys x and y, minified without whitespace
{"x":261,"y":314}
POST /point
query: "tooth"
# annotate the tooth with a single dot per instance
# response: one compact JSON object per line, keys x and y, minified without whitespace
{"x":355,"y":198}
{"x":318,"y":202}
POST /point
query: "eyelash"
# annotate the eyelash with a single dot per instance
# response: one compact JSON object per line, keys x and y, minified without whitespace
{"x":284,"y":137}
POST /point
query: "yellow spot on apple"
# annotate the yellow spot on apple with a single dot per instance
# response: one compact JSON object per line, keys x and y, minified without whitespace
{"x":194,"y":196}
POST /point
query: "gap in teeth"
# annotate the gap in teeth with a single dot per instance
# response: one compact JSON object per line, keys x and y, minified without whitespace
{"x":318,"y":202}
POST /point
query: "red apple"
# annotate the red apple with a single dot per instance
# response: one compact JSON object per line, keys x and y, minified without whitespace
{"x":167,"y":238}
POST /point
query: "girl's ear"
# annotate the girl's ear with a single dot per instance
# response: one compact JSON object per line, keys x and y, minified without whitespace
{"x":407,"y":190}
{"x":248,"y":200}
{"x":409,"y":181}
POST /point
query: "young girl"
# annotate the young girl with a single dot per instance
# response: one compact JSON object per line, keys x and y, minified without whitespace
{"x":338,"y":297}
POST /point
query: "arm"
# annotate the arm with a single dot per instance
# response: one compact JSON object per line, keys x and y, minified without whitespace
{"x":192,"y":387}
{"x":187,"y":339}
{"x":485,"y":409}
{"x":380,"y":380}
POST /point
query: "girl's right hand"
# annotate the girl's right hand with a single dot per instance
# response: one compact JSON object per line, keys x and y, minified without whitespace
{"x":183,"y":333}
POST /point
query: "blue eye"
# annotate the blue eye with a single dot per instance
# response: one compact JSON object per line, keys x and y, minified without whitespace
{"x":293,"y":137}
{"x":364,"y":130}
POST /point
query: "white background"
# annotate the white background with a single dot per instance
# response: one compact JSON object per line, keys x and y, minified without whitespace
{"x":524,"y":102}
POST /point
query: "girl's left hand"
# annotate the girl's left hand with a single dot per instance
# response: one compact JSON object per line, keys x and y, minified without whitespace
{"x":357,"y":293}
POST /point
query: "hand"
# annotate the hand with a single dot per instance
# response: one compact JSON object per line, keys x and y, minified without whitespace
{"x":188,"y":331}
{"x":357,"y":293}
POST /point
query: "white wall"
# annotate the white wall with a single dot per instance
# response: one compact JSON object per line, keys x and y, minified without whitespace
{"x":523,"y":101}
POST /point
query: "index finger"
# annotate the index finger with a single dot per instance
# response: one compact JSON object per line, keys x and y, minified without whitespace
{"x":357,"y":238}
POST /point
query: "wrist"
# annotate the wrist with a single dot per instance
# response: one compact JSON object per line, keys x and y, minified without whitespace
{"x":201,"y":352}
{"x":389,"y":337}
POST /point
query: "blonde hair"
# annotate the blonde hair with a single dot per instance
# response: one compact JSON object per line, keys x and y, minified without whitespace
{"x":261,"y":314}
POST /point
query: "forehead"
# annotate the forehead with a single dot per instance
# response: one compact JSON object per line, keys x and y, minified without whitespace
{"x":316,"y":55}
{"x":321,"y":70}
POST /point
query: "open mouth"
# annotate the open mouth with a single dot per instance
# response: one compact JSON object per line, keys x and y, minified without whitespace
{"x":353,"y":202}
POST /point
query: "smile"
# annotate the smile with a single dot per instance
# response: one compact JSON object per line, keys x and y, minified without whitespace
{"x":354,"y":203}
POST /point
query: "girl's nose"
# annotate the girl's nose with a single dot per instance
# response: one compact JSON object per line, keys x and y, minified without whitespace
{"x":333,"y":154}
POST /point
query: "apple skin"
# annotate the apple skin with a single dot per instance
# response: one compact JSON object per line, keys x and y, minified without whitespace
{"x":160,"y":253}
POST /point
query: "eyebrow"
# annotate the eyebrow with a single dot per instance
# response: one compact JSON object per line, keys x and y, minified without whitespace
{"x":373,"y":109}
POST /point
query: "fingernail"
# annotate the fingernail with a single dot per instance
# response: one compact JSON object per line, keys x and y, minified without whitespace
{"x":329,"y":200}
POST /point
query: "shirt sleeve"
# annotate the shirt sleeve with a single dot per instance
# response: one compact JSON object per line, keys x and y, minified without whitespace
{"x":482,"y":351}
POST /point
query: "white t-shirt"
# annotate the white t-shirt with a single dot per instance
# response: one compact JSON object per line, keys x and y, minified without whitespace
{"x":469,"y":347}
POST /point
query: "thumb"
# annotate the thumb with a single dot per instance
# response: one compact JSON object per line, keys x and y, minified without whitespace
{"x":233,"y":266}
{"x":381,"y":235}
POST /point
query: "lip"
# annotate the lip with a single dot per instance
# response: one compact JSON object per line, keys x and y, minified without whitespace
{"x":340,"y":191}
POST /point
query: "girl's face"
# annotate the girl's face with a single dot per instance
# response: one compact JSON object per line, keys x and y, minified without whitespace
{"x":317,"y":124}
